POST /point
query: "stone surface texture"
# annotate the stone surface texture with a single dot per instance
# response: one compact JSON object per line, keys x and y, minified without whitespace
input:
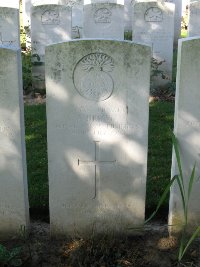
{"x":13,"y":183}
{"x":187,"y":130}
{"x":153,"y":24}
{"x":97,"y":135}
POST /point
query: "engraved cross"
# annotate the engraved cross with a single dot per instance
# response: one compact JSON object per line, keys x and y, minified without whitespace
{"x":96,"y":162}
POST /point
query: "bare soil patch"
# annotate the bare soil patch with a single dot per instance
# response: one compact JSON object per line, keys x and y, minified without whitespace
{"x":152,"y":249}
{"x":34,"y":99}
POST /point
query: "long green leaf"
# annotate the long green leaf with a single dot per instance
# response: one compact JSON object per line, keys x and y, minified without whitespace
{"x":181,"y":254}
{"x":180,"y":179}
{"x":182,"y":196}
{"x":178,"y":158}
{"x":181,"y":248}
{"x":191,"y":181}
{"x":162,"y":199}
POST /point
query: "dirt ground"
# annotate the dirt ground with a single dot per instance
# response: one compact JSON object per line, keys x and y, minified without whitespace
{"x":152,"y":249}
{"x":34,"y":99}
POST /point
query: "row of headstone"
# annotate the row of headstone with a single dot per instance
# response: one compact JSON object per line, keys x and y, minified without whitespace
{"x":52,"y":23}
{"x":94,"y":86}
{"x":97,"y":154}
{"x":153,"y":24}
{"x":77,"y":14}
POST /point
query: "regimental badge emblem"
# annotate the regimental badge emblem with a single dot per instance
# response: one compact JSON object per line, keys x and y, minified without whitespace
{"x":92,"y":76}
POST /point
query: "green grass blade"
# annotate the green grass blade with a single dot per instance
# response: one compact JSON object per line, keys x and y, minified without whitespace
{"x":162,"y":199}
{"x":180,"y":179}
{"x":191,"y":181}
{"x":182,"y":196}
{"x":181,"y":254}
{"x":181,"y":248}
{"x":178,"y":158}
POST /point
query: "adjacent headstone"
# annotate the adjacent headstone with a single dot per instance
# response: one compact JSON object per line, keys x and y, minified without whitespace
{"x":49,"y":24}
{"x":14,"y":214}
{"x":10,"y":3}
{"x":153,"y":24}
{"x":128,"y":14}
{"x":77,"y":20}
{"x":77,"y":13}
{"x":97,"y":135}
{"x":103,"y":20}
{"x":177,"y":19}
{"x":194,"y":19}
{"x":9,"y":27}
{"x":187,"y":130}
{"x":77,"y":16}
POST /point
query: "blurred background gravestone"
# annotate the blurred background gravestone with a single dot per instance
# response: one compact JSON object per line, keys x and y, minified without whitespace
{"x":9,"y":24}
{"x":103,"y":20}
{"x":153,"y":24}
{"x":194,"y":19}
{"x":49,"y":24}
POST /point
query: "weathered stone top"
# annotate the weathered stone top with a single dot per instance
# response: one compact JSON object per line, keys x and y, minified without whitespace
{"x":120,"y":2}
{"x":100,"y":39}
{"x":9,"y":3}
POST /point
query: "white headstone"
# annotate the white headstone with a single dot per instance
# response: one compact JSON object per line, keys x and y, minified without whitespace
{"x":77,"y":12}
{"x":10,"y":3}
{"x":49,"y":24}
{"x":9,"y":27}
{"x":77,"y":20}
{"x":27,"y":5}
{"x":153,"y":24}
{"x":128,"y":14}
{"x":97,"y":134}
{"x":177,"y":19}
{"x":194,"y":19}
{"x":13,"y":183}
{"x":129,"y":4}
{"x":187,"y":130}
{"x":77,"y":16}
{"x":103,"y":20}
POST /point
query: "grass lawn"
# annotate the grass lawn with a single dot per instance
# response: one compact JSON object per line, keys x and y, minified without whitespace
{"x":36,"y":153}
{"x":159,"y":152}
{"x":159,"y":158}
